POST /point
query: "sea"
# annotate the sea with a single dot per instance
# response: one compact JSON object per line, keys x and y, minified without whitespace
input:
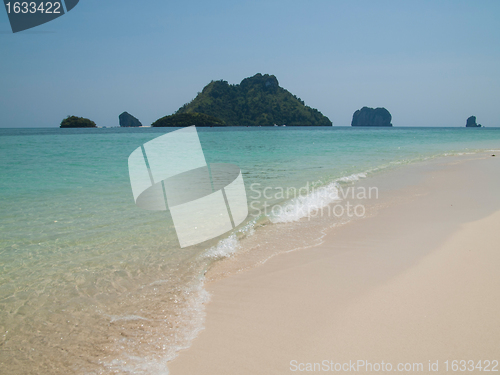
{"x":92,"y":284}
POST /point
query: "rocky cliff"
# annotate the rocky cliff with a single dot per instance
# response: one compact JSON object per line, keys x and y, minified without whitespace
{"x":127,"y":120}
{"x":471,"y":123}
{"x":371,"y":117}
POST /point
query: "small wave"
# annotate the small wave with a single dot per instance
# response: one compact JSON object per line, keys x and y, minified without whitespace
{"x":225,"y":248}
{"x":229,"y":245}
{"x":116,"y":318}
{"x":248,"y":229}
{"x":352,"y":178}
{"x":304,"y":205}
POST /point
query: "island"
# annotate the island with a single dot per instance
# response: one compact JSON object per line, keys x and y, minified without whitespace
{"x":255,"y":101}
{"x":188,"y":119}
{"x":127,"y":120}
{"x":371,"y":117}
{"x":77,"y":122}
{"x":471,"y":123}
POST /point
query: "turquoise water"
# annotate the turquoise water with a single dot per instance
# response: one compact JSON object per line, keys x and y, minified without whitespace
{"x":89,"y":283}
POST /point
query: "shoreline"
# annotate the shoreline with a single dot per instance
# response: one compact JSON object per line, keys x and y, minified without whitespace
{"x":116,"y":294}
{"x":392,"y":182}
{"x":259,"y":317}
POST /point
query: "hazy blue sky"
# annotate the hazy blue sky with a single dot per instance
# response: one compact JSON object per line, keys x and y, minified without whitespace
{"x":429,"y":62}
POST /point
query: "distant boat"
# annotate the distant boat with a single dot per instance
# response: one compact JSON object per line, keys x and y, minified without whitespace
{"x":275,"y":125}
{"x":283,"y":125}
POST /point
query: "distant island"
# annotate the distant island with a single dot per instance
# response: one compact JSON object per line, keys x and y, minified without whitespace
{"x":127,"y":120}
{"x":471,"y":123}
{"x":371,"y":117}
{"x":188,"y":119}
{"x":77,"y":122}
{"x":256,"y":101}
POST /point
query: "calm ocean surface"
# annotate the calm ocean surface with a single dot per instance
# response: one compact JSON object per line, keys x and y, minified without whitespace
{"x":89,"y":283}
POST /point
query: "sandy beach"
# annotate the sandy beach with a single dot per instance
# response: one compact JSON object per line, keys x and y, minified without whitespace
{"x":411,"y":287}
{"x":249,"y":187}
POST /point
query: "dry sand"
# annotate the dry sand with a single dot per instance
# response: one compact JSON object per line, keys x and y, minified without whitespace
{"x":417,"y":282}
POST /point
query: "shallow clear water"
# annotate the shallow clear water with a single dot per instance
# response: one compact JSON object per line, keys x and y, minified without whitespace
{"x":89,"y":283}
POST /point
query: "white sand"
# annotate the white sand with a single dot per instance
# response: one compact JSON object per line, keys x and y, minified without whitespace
{"x":418,"y":282}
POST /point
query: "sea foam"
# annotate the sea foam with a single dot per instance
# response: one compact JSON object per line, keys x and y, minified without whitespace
{"x":225,"y":248}
{"x":305,"y":205}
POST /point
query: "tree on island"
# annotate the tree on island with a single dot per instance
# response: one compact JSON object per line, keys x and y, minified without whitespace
{"x":188,"y":119}
{"x":256,"y":101}
{"x":77,"y":122}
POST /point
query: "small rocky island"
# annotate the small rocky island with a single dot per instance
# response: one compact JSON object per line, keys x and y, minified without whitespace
{"x":127,"y":120}
{"x":371,"y":117}
{"x":77,"y":122}
{"x":471,"y":123}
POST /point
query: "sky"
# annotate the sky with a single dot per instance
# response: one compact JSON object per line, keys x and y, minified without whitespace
{"x":430,"y":63}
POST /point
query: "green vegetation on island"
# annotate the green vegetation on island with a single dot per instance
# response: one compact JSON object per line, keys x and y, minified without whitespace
{"x":77,"y":122}
{"x":256,"y":101}
{"x":188,"y":119}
